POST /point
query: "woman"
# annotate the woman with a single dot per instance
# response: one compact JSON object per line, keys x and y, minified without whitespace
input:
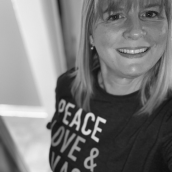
{"x":114,"y":110}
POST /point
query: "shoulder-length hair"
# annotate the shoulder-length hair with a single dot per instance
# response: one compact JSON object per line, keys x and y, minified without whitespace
{"x":157,"y":82}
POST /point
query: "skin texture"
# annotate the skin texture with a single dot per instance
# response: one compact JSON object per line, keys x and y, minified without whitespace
{"x":136,"y":27}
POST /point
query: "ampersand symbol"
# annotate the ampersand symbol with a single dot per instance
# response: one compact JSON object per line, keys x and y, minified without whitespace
{"x":89,"y":162}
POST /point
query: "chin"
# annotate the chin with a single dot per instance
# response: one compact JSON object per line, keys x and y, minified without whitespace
{"x":134,"y":74}
{"x":138,"y":70}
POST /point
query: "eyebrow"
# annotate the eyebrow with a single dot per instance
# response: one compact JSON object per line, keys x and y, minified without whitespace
{"x":114,"y":8}
{"x":118,"y":8}
{"x":152,"y":5}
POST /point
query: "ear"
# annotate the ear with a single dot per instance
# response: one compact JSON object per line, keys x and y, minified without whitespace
{"x":91,"y":40}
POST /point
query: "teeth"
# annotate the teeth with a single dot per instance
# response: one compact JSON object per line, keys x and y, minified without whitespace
{"x":126,"y":51}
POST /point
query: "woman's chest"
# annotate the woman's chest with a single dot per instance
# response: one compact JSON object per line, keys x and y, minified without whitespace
{"x":97,"y":141}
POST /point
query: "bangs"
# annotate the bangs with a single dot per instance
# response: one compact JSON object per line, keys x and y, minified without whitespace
{"x":103,"y":6}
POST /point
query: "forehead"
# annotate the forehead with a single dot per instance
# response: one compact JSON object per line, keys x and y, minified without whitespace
{"x":127,"y":4}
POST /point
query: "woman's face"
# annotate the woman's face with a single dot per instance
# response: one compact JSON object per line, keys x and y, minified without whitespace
{"x":130,"y":42}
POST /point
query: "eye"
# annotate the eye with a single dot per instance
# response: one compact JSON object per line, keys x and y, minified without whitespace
{"x":150,"y":14}
{"x":113,"y":17}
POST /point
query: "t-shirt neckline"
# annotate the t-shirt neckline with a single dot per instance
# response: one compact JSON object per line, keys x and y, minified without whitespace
{"x":101,"y":92}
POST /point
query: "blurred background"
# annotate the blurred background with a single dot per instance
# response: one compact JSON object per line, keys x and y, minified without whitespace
{"x":38,"y":42}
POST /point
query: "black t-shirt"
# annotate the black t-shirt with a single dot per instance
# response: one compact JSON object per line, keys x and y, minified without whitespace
{"x":109,"y":138}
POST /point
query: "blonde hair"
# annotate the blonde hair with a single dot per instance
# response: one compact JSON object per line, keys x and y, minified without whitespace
{"x":157,"y":81}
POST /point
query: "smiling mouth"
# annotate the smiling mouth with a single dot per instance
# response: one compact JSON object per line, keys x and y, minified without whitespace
{"x":134,"y":51}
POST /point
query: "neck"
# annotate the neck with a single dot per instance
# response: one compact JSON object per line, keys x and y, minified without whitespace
{"x":118,"y":85}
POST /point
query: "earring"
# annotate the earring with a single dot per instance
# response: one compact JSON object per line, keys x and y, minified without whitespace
{"x":91,"y":43}
{"x":92,"y":47}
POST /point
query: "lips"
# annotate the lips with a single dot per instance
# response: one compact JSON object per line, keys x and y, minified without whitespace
{"x":133,"y":52}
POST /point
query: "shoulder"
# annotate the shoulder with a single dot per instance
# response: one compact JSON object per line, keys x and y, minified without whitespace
{"x":163,"y":114}
{"x":168,"y":106}
{"x":166,"y":110}
{"x":63,"y":89}
{"x":166,"y":135}
{"x":65,"y":77}
{"x":64,"y":81}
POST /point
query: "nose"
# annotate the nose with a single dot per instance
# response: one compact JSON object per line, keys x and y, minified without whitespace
{"x":134,"y":29}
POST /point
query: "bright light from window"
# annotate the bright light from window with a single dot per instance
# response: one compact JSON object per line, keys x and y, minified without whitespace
{"x":23,"y":111}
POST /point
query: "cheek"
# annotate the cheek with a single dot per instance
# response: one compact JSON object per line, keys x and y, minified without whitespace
{"x":106,"y":36}
{"x":104,"y":41}
{"x":157,"y":34}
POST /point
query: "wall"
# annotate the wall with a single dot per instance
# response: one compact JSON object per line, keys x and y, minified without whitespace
{"x":32,"y":58}
{"x":31,"y":51}
{"x":17,"y":86}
